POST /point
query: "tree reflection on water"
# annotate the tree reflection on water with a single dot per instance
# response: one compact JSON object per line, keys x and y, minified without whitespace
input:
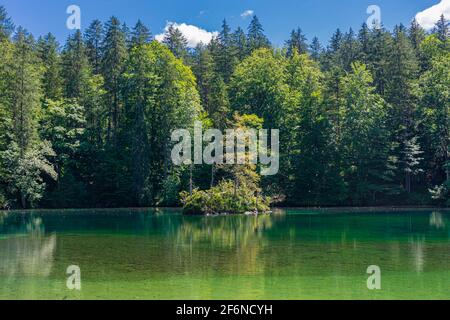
{"x":25,"y":250}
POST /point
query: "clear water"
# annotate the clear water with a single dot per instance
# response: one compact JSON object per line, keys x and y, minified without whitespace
{"x":160,"y":254}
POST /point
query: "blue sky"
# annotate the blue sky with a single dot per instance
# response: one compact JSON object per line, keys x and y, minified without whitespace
{"x":315,"y":17}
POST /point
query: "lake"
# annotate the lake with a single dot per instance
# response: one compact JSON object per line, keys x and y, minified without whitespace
{"x":161,"y":254}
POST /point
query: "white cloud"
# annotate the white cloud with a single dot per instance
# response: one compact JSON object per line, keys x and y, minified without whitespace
{"x":193,"y":34}
{"x":428,"y":17}
{"x":247,"y":13}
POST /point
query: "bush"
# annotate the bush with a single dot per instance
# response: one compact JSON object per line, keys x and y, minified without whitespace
{"x":441,"y":194}
{"x":224,"y":199}
{"x":3,"y":202}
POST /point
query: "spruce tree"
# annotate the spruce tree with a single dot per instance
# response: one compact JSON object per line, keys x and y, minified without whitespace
{"x":94,"y":39}
{"x":6,"y":24}
{"x":140,"y":34}
{"x":315,"y":49}
{"x":76,"y":69}
{"x":176,"y":42}
{"x":364,"y":41}
{"x":224,"y":56}
{"x":25,"y":90}
{"x":256,"y":37}
{"x":336,"y":41}
{"x":442,"y":29}
{"x":297,"y":42}
{"x":416,"y":34}
{"x":402,"y":72}
{"x":48,"y":51}
{"x":349,"y":50}
{"x":240,"y":43}
{"x":378,"y":57}
{"x":114,"y":57}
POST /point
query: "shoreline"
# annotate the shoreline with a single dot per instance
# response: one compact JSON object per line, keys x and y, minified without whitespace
{"x":275,"y":209}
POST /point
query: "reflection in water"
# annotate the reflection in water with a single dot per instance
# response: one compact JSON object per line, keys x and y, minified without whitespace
{"x":418,"y":252}
{"x":29,"y":253}
{"x":225,"y":231}
{"x":128,"y":254}
{"x":236,"y":241}
{"x":436,"y":220}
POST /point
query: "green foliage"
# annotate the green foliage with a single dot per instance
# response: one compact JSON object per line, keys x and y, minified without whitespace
{"x":113,"y":63}
{"x":25,"y":171}
{"x":258,"y":87}
{"x":364,"y":144}
{"x":364,"y":121}
{"x":297,"y":42}
{"x":239,"y":194}
{"x":6,"y":24}
{"x":140,"y":35}
{"x":76,"y":69}
{"x":25,"y":91}
{"x":176,"y":42}
{"x":47,"y":48}
{"x":222,"y":199}
{"x":94,"y":38}
{"x":256,"y":37}
{"x":162,"y":97}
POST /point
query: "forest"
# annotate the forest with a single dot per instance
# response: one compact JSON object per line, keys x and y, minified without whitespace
{"x":364,"y":119}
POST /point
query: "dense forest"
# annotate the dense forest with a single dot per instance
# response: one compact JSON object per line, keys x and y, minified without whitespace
{"x":363,"y":120}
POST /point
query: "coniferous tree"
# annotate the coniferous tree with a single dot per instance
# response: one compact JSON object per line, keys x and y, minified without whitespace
{"x":224,"y":55}
{"x":297,"y":42}
{"x":416,"y":34}
{"x":364,"y":148}
{"x":442,"y":29}
{"x":315,"y":49}
{"x":48,"y":51}
{"x":6,"y":24}
{"x":378,"y":57}
{"x":240,"y":43}
{"x":349,"y":50}
{"x":336,"y":41}
{"x":114,"y":56}
{"x":140,"y":34}
{"x":350,"y":134}
{"x":256,"y":38}
{"x":364,"y":41}
{"x":176,"y":42}
{"x":26,"y":91}
{"x":94,"y":39}
{"x":400,"y":92}
{"x":435,"y":112}
{"x":26,"y":158}
{"x":76,"y":68}
{"x":309,"y":138}
{"x":212,"y":88}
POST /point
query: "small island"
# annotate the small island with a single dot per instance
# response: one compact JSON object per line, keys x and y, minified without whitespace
{"x":239,"y":192}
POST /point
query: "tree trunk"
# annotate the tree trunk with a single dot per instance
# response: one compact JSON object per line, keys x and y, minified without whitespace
{"x":23,"y":200}
{"x":190,"y":179}
{"x":408,"y":182}
{"x":212,"y":175}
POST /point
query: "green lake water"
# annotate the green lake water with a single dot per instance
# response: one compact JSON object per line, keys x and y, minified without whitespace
{"x":161,"y":254}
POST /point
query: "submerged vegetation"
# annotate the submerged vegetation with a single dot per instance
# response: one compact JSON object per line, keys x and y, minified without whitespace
{"x":363,"y":120}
